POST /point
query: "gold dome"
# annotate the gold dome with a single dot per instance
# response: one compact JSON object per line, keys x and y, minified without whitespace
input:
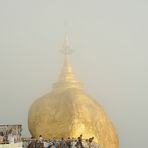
{"x":68,"y":112}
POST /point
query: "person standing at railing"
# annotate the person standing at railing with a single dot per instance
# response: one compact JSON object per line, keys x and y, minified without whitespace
{"x":11,"y":138}
{"x":1,"y":138}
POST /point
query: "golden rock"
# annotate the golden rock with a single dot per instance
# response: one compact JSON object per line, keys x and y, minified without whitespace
{"x":68,"y":111}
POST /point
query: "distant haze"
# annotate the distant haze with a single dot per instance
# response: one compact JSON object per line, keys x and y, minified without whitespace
{"x":110,"y":43}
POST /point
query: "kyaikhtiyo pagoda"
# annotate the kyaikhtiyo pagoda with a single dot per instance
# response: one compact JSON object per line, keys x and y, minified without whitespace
{"x":68,"y":111}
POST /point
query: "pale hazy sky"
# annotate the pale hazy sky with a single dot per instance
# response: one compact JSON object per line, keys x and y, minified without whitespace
{"x":110,"y":39}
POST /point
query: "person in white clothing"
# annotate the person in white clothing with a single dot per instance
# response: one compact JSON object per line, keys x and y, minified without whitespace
{"x":40,"y":138}
{"x":46,"y":144}
{"x":11,"y":138}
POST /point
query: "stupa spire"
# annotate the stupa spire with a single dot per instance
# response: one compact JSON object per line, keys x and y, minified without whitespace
{"x":66,"y":51}
{"x":67,"y":48}
{"x":67,"y":77}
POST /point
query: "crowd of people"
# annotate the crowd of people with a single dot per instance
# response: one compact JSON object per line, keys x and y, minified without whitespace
{"x":62,"y":143}
{"x":9,"y":138}
{"x":40,"y":142}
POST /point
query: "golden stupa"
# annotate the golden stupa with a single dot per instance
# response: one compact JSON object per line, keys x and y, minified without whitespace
{"x":68,"y":111}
